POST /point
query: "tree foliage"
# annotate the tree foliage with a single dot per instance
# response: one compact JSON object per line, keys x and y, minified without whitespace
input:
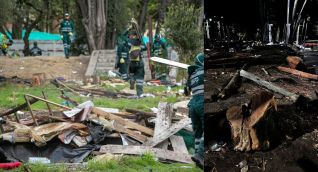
{"x":181,"y":28}
{"x":6,"y":8}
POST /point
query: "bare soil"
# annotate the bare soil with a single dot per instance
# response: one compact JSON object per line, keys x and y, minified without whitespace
{"x":73,"y":68}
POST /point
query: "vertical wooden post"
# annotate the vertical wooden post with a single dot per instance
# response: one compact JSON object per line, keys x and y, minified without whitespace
{"x":149,"y":46}
{"x":29,"y":106}
{"x":47,"y":104}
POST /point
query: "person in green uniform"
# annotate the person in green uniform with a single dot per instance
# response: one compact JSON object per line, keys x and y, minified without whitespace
{"x":66,"y":31}
{"x":195,"y":84}
{"x":136,"y":64}
{"x":122,"y":58}
{"x":157,"y":51}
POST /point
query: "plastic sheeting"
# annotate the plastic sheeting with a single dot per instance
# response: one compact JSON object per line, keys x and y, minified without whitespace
{"x":55,"y":151}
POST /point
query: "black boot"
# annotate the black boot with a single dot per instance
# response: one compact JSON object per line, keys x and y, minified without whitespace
{"x":199,"y":161}
{"x":132,"y":84}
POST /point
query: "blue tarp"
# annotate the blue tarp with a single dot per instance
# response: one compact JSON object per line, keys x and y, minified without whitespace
{"x":41,"y":36}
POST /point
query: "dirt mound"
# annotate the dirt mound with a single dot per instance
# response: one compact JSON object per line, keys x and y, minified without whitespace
{"x":71,"y":69}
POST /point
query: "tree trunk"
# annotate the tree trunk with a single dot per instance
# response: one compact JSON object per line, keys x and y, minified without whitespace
{"x":101,"y":23}
{"x":29,"y":28}
{"x":142,"y":18}
{"x":94,"y":21}
{"x":201,"y":16}
{"x":161,"y":14}
{"x":17,"y":28}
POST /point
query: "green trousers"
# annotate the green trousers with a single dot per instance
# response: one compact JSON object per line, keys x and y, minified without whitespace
{"x":123,"y":70}
{"x":66,"y":44}
{"x":196,"y":113}
{"x":137,"y":73}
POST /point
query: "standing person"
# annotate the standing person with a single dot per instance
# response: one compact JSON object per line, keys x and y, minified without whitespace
{"x":136,"y":64}
{"x":195,"y":84}
{"x":122,"y":58}
{"x":156,"y":51}
{"x":36,"y":51}
{"x":66,"y":31}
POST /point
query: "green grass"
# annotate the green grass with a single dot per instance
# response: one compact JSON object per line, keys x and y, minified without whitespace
{"x":12,"y":95}
{"x":143,"y":163}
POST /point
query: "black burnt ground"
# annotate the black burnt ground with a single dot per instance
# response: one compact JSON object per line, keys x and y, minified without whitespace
{"x":295,"y":143}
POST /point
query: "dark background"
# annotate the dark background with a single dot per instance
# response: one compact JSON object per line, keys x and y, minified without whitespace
{"x":251,"y":14}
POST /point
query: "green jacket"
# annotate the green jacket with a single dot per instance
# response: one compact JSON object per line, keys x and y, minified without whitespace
{"x":156,"y":47}
{"x":122,"y":52}
{"x":66,"y":26}
{"x":196,"y":80}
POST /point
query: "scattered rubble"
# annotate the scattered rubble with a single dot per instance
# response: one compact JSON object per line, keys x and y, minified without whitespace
{"x":71,"y":134}
{"x":259,"y":110}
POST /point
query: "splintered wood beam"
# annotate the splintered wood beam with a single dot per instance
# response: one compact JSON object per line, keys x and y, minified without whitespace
{"x":140,"y":150}
{"x":163,"y":119}
{"x":20,"y":107}
{"x":168,"y":132}
{"x":122,"y":121}
{"x":268,"y":85}
{"x":231,"y":85}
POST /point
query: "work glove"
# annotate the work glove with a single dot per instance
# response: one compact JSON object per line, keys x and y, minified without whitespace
{"x":4,"y":46}
{"x":121,"y":61}
{"x":70,"y":33}
{"x":61,"y":36}
{"x":186,"y":91}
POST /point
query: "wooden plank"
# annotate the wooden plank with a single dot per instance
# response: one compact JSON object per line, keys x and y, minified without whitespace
{"x":90,"y":71}
{"x":122,"y":128}
{"x":169,"y":132}
{"x":47,"y":101}
{"x":163,"y":145}
{"x":163,"y":120}
{"x":140,"y":150}
{"x":30,"y":109}
{"x":169,"y":62}
{"x":123,"y":122}
{"x":178,"y":144}
{"x":268,"y":85}
{"x":146,"y":114}
{"x":298,"y":73}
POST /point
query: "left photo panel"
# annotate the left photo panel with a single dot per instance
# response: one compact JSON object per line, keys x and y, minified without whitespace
{"x":101,"y":85}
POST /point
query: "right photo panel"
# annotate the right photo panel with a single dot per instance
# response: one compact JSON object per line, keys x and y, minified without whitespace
{"x":261,"y":85}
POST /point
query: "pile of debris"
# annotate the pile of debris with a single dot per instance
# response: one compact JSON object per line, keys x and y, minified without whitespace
{"x":260,"y":100}
{"x":71,"y":134}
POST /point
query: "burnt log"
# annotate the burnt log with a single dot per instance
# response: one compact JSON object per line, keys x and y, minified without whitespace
{"x":251,"y":124}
